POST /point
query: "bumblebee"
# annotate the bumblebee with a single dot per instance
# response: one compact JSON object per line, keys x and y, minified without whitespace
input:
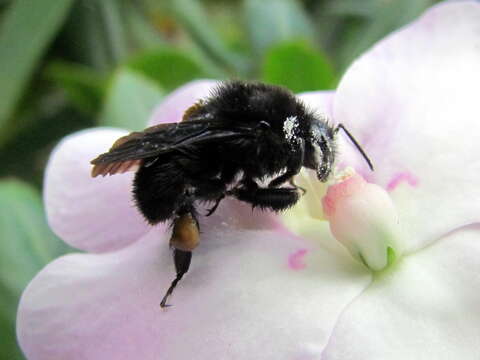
{"x":227,"y":145}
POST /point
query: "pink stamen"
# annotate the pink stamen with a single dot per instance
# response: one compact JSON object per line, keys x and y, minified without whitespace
{"x":400,"y":178}
{"x":295,"y":260}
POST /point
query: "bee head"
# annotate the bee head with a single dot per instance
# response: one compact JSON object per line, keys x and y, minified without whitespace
{"x":321,"y":153}
{"x":321,"y":147}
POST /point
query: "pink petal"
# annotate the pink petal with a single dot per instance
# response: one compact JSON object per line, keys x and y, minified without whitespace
{"x":174,"y":105}
{"x":322,"y":103}
{"x":240,"y":300}
{"x":319,"y":101}
{"x":90,"y":214}
{"x":425,"y":308}
{"x":412,"y":102}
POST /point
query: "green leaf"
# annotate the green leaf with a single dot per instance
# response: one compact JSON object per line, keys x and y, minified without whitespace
{"x":130,"y":100}
{"x":83,"y":86}
{"x":169,"y":68}
{"x":113,"y":16}
{"x":97,"y":33}
{"x":8,"y":312}
{"x":27,"y":29}
{"x":299,"y":67}
{"x":364,"y":8}
{"x":26,"y":245}
{"x":272,"y":21}
{"x":195,"y":20}
{"x":140,"y":30}
{"x":8,"y":340}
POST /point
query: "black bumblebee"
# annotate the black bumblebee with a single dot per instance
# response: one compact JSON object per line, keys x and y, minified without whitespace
{"x":226,"y":145}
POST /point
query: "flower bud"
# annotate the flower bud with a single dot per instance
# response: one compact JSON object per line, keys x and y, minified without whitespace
{"x":363,"y":218}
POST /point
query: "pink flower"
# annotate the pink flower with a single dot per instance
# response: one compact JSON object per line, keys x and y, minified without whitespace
{"x":255,"y":291}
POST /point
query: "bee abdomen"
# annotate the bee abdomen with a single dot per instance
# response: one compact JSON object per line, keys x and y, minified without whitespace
{"x":158,"y":191}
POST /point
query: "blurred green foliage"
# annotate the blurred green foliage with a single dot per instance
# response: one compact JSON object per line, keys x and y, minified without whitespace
{"x":70,"y":64}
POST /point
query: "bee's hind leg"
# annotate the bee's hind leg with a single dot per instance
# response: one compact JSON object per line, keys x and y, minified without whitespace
{"x":185,"y":238}
{"x":182,"y":261}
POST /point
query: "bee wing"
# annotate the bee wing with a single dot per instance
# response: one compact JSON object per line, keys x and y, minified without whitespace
{"x":129,"y":151}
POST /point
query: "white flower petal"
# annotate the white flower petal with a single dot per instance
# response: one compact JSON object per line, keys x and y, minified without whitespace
{"x":92,"y":214}
{"x":174,"y":105}
{"x":412,"y":102}
{"x":426,"y":308}
{"x":319,"y":101}
{"x":248,"y":295}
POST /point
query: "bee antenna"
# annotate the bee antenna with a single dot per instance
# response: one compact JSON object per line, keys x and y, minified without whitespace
{"x":357,"y":145}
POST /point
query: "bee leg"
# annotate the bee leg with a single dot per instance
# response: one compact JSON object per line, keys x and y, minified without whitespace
{"x":227,"y":176}
{"x":293,"y":167}
{"x":214,"y":190}
{"x":292,"y":182}
{"x":182,"y":261}
{"x":185,"y":238}
{"x":277,"y":199}
{"x":214,"y":207}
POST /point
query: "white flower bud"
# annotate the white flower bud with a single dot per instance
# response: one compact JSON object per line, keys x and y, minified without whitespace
{"x":363,"y":218}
